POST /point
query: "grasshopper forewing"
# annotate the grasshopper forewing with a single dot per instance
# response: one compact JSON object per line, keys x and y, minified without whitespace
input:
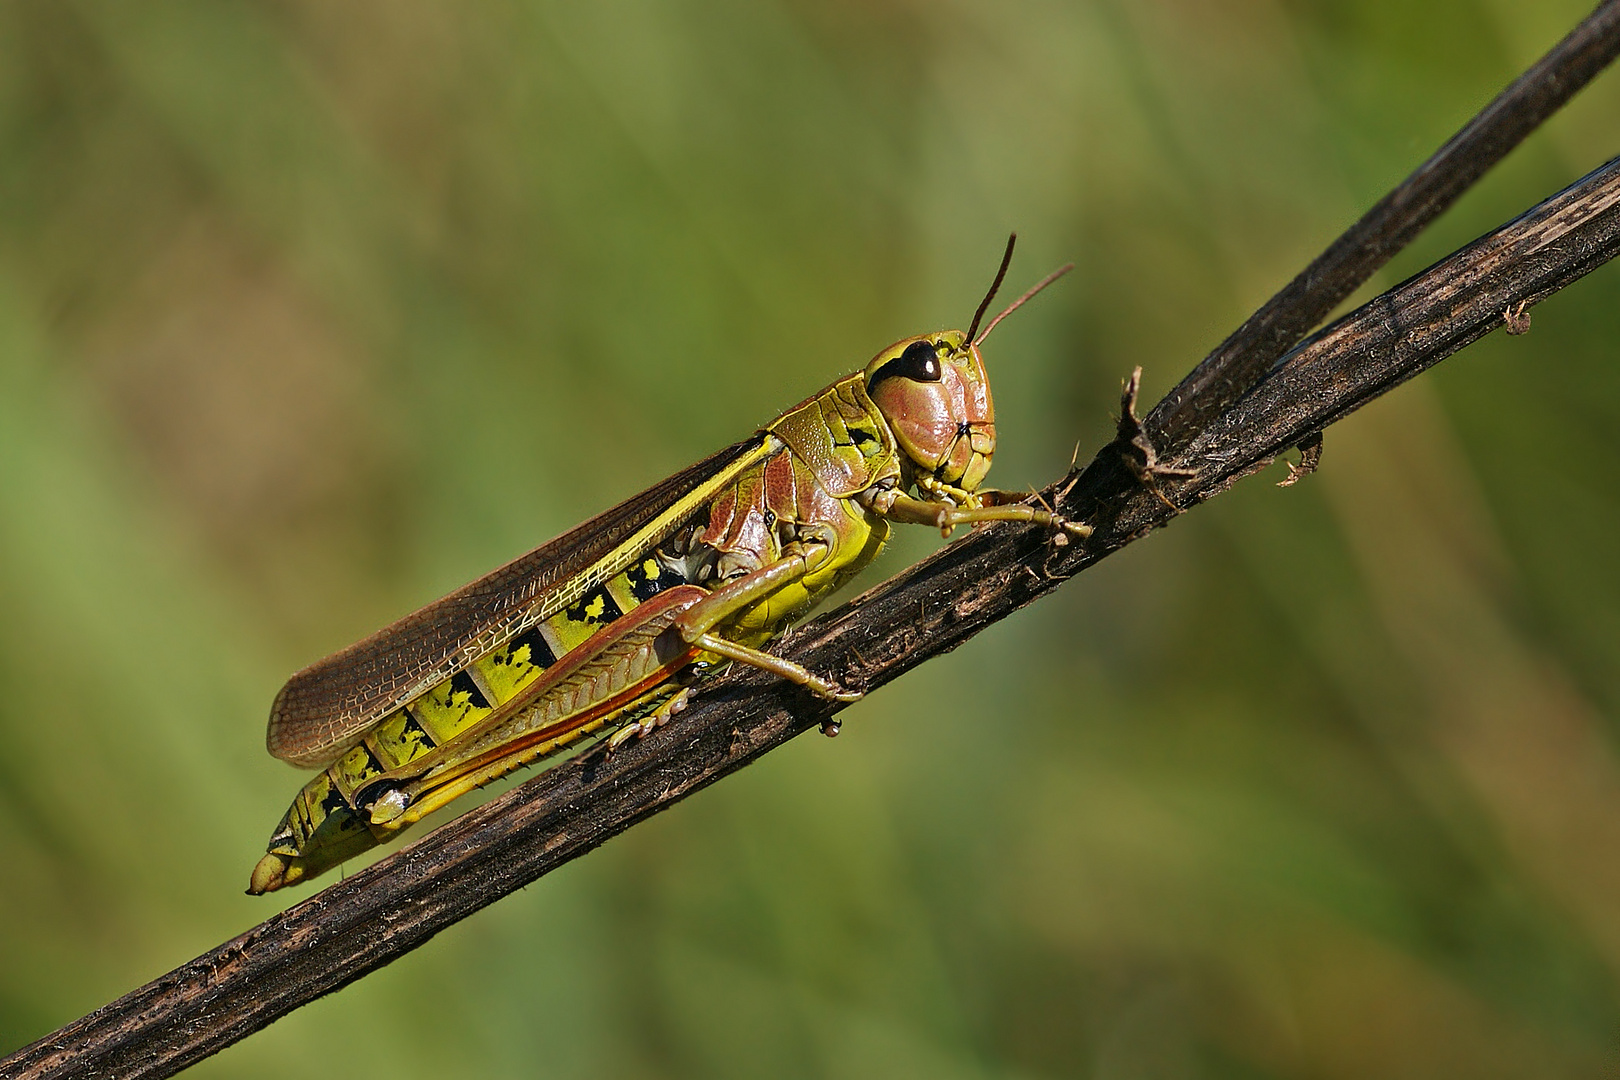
{"x":604,"y":628}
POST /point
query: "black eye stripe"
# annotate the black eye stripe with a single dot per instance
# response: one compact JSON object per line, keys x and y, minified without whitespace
{"x":919,"y":363}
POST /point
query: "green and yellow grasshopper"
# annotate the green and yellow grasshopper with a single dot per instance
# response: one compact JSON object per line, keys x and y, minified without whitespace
{"x":606,"y":627}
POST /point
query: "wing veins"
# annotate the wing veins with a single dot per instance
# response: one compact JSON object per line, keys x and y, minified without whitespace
{"x":330,"y":705}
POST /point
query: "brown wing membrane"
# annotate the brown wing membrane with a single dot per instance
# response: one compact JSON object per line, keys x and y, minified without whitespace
{"x":328,"y":706}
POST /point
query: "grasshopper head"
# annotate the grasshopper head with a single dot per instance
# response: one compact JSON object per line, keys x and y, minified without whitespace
{"x":933,"y":392}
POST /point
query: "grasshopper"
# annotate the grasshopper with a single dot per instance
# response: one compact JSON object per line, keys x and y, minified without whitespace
{"x":604,"y":629}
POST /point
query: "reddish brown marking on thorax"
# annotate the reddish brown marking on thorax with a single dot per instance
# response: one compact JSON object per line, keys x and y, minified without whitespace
{"x":747,"y":517}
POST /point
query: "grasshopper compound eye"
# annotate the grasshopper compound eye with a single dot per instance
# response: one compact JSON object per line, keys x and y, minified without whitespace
{"x":919,"y":362}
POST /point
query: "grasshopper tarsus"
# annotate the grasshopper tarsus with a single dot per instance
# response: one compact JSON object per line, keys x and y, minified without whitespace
{"x":833,"y":693}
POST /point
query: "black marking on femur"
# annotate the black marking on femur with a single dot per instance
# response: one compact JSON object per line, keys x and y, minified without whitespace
{"x":919,"y":363}
{"x":645,"y":585}
{"x":540,"y":654}
{"x":597,"y":608}
{"x":462,"y":683}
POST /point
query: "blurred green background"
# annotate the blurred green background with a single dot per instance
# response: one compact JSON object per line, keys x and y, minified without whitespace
{"x":310,"y":312}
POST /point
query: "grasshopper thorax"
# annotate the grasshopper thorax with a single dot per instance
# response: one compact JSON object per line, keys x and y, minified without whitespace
{"x":935,"y":397}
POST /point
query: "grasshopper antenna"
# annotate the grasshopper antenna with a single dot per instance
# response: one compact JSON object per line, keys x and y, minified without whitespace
{"x":984,"y":305}
{"x":1018,"y":303}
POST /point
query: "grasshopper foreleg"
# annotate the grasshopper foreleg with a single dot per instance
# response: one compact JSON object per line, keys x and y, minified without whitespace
{"x":946,"y":516}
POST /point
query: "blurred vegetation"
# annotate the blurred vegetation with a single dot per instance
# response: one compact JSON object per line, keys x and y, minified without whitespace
{"x":310,"y":312}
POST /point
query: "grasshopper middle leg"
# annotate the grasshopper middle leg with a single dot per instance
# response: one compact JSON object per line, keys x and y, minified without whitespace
{"x":697,"y":622}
